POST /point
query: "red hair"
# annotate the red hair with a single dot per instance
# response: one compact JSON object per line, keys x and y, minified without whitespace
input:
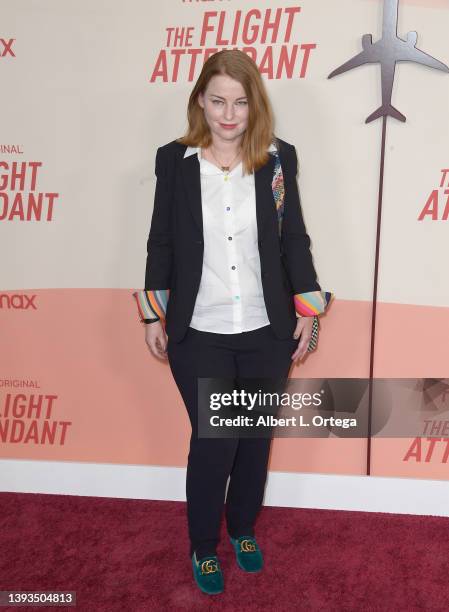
{"x":259,"y":132}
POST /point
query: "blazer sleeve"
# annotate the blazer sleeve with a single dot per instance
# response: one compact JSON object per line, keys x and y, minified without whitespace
{"x":308,"y":298}
{"x":159,"y":262}
{"x":295,"y":242}
{"x":152,"y":300}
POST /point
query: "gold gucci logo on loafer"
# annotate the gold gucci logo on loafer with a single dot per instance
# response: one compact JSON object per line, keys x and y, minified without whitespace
{"x":209,"y":566}
{"x":247,"y":546}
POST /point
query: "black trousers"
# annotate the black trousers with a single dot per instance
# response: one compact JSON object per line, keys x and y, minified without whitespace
{"x":212,"y":461}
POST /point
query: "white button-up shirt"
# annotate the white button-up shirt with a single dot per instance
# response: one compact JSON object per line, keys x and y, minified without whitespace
{"x":230,"y":296}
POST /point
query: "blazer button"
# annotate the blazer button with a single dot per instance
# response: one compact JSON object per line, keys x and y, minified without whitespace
{"x":199,"y":241}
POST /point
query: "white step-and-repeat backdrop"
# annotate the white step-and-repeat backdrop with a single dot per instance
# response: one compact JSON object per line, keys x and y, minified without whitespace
{"x":90,"y":89}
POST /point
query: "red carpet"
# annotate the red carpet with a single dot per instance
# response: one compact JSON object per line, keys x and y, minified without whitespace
{"x":132,"y":555}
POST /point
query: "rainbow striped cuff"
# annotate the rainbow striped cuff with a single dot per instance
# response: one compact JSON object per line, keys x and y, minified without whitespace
{"x":312,"y":303}
{"x":152,"y":303}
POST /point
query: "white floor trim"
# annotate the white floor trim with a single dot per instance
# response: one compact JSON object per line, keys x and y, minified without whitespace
{"x":296,"y":490}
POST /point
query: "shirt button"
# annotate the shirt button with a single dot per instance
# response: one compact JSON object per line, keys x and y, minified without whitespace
{"x":229,"y":237}
{"x":237,"y":297}
{"x":228,"y":208}
{"x":232,"y":267}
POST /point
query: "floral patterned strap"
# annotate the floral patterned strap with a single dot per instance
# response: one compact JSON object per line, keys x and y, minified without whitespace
{"x":278,"y":188}
{"x":152,"y":303}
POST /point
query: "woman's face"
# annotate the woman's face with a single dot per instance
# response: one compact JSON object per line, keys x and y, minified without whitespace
{"x":225,"y":107}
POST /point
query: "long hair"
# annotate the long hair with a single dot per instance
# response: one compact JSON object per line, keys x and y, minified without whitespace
{"x":259,"y":132}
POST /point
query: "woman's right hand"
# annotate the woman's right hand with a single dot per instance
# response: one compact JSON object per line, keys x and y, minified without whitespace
{"x":156,"y":339}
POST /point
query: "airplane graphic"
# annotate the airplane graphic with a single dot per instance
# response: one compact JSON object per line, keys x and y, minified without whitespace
{"x":387,"y":51}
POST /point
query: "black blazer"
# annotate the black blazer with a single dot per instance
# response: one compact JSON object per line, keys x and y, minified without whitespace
{"x":175,"y":241}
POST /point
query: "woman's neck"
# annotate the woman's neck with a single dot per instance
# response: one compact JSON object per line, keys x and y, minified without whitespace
{"x":226,"y":149}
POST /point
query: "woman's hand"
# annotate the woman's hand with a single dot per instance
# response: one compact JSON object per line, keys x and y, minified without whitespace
{"x":303,"y":330}
{"x":156,"y":339}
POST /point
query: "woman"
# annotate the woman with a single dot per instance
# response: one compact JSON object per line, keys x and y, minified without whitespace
{"x":230,"y":272}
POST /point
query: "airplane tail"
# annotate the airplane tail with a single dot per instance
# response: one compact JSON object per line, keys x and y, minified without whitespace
{"x":386,"y":110}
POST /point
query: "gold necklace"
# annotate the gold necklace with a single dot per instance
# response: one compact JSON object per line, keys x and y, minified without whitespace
{"x":224,"y":168}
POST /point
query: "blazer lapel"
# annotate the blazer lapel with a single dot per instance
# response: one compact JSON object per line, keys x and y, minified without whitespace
{"x":262,"y":179}
{"x":192,"y":183}
{"x":265,"y":205}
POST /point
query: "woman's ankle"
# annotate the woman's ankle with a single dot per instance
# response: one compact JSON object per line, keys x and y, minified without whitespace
{"x":205,"y":551}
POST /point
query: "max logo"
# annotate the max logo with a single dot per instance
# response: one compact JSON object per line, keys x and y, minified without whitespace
{"x":17,"y":301}
{"x":5,"y":47}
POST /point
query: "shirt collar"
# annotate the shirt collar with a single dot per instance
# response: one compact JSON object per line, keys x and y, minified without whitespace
{"x":192,"y":150}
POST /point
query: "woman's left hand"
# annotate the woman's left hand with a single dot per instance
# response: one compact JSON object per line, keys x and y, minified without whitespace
{"x":304,"y":332}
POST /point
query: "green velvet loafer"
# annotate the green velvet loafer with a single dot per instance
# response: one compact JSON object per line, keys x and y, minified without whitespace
{"x":248,"y":554}
{"x":208,"y":575}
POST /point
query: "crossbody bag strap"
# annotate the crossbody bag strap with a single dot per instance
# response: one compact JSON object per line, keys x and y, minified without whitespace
{"x":277,"y":185}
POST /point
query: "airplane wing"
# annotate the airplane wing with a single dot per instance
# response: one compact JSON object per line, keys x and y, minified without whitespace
{"x":416,"y":55}
{"x":362,"y":58}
